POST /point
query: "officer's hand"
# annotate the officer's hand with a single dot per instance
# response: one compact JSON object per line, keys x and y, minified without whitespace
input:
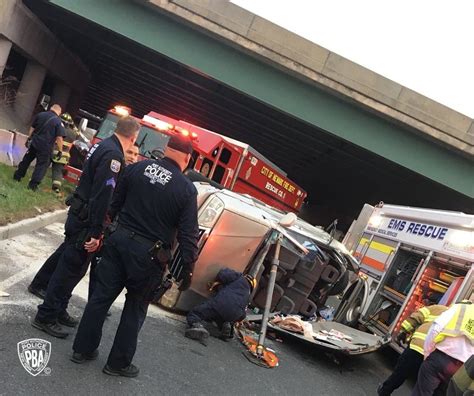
{"x":27,"y":143}
{"x":92,"y":245}
{"x":186,"y":276}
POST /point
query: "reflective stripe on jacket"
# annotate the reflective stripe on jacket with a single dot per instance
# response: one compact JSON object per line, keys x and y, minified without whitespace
{"x":419,"y":323}
{"x":65,"y":154}
{"x":422,"y":315}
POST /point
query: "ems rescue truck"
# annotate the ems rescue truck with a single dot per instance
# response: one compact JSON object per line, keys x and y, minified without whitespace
{"x":408,"y":256}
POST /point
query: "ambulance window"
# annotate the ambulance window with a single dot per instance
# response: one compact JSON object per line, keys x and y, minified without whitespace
{"x":218,"y":174}
{"x":225,"y":156}
{"x":206,"y":167}
{"x":149,"y":139}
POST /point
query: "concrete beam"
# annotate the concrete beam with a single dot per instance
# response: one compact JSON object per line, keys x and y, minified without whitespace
{"x":301,"y":58}
{"x":29,"y":90}
{"x":30,"y":36}
{"x":5,"y":47}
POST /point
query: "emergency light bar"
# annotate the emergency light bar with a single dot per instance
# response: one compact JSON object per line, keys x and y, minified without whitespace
{"x":161,"y":125}
{"x":123,"y":111}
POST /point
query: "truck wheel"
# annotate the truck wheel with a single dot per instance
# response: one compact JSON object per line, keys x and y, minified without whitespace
{"x":340,"y":285}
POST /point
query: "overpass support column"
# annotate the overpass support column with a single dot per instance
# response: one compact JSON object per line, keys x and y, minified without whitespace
{"x":5,"y":47}
{"x":61,"y":93}
{"x":29,"y":90}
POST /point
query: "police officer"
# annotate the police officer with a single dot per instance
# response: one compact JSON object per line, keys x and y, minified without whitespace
{"x":232,"y":294}
{"x":40,"y":282}
{"x":153,"y":200}
{"x":84,"y":225}
{"x":45,"y":130}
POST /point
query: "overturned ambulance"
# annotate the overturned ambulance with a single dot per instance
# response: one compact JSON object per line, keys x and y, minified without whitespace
{"x":242,"y":233}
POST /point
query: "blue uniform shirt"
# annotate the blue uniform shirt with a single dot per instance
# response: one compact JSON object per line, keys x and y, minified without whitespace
{"x":103,"y":165}
{"x":47,"y":127}
{"x":154,"y":199}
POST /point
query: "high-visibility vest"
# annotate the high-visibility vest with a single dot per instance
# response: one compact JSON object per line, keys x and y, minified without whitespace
{"x":65,"y":154}
{"x":462,"y":323}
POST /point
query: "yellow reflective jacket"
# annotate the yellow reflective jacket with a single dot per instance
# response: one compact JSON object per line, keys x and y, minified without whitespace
{"x":462,"y":323}
{"x":65,"y":154}
{"x":419,"y":323}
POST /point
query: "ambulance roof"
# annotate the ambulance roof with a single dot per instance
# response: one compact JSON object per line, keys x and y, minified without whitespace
{"x":435,"y":216}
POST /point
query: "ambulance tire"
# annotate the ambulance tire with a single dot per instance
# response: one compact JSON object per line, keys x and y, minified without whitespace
{"x":340,"y":285}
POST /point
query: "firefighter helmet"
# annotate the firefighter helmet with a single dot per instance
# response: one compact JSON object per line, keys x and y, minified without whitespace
{"x":67,"y":119}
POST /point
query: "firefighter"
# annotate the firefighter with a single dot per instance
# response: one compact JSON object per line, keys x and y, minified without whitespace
{"x":84,"y":225}
{"x":449,"y":344}
{"x":232,"y":295}
{"x":413,"y":328}
{"x":61,"y":157}
{"x":154,"y":202}
{"x":462,"y":383}
{"x":46,"y":130}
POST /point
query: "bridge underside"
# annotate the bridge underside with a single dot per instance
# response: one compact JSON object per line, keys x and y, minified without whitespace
{"x":339,"y":175}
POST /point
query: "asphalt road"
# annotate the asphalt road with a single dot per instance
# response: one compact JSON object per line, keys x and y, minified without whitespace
{"x":170,"y":364}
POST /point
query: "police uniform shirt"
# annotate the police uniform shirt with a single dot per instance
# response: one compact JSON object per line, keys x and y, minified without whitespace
{"x":102,"y":168}
{"x":47,"y":127}
{"x":154,"y":199}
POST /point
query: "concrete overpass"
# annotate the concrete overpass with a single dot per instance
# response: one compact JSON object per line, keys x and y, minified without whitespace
{"x":44,"y":56}
{"x":344,"y":133}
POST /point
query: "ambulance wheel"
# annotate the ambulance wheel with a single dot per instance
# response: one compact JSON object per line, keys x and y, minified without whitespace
{"x":353,"y":312}
{"x":340,"y":285}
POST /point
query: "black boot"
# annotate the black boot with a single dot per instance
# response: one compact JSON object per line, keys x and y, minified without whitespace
{"x":196,"y":332}
{"x":51,"y":328}
{"x":32,"y":187}
{"x":83,"y":357}
{"x":129,"y":371}
{"x":227,"y":331}
{"x":67,"y":320}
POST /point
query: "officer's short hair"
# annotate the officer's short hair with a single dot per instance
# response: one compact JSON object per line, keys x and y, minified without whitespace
{"x":127,"y":126}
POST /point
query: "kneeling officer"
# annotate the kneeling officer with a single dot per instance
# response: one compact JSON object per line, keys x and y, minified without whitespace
{"x":153,"y":200}
{"x":232,"y":294}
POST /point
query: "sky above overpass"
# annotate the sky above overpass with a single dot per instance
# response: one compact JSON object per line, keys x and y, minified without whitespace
{"x":425,"y":45}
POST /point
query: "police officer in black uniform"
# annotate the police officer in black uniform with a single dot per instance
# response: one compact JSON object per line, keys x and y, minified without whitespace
{"x":45,"y":130}
{"x":84,"y":225}
{"x":153,"y":200}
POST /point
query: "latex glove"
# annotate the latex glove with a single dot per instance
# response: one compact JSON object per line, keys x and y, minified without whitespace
{"x":28,"y":143}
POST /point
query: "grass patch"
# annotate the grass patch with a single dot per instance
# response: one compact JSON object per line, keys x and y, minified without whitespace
{"x":18,"y":203}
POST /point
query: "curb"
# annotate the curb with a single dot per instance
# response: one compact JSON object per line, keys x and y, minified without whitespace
{"x":28,"y":225}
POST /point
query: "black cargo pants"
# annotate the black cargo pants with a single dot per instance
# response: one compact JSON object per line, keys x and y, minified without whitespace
{"x":71,"y":268}
{"x":43,"y":159}
{"x":127,"y":263}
